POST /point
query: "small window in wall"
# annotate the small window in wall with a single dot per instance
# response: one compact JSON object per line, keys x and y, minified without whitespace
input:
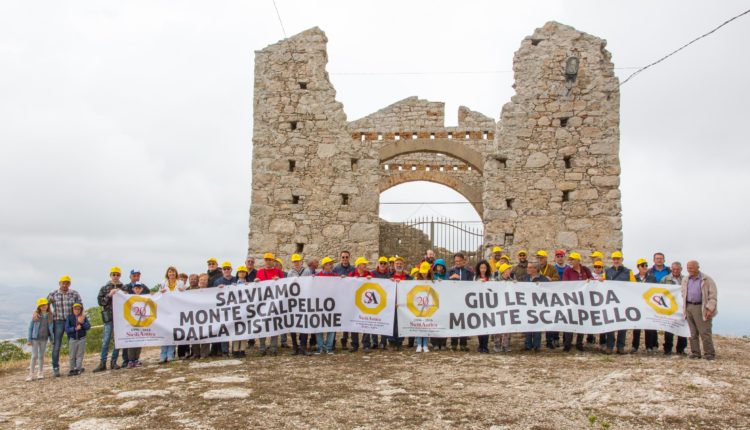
{"x":568,"y":162}
{"x":535,"y":42}
{"x":295,"y":200}
{"x":344,"y":199}
{"x":566,"y":196}
{"x":400,"y":167}
{"x":413,"y":167}
{"x":432,"y":136}
{"x":468,"y":135}
{"x":293,"y":125}
{"x":300,"y":248}
{"x":485,"y":134}
{"x":397,"y":137}
{"x":468,"y":168}
{"x":427,"y":168}
{"x":354,"y":163}
{"x":292,"y":165}
{"x":380,"y":136}
{"x":509,"y":203}
{"x":503,"y":161}
{"x":302,"y":85}
{"x":386,"y":167}
{"x":450,"y":135}
{"x":508,"y":239}
{"x":563,"y":122}
{"x":442,"y":168}
{"x":362,"y":137}
{"x":455,"y":167}
{"x":414,"y":135}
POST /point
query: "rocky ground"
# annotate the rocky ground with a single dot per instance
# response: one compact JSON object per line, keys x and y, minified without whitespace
{"x":548,"y":390}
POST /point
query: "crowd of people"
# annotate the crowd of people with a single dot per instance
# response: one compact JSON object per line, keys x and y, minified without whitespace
{"x":61,"y":312}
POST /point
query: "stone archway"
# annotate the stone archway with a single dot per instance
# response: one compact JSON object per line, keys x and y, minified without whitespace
{"x":472,"y":194}
{"x":451,"y":147}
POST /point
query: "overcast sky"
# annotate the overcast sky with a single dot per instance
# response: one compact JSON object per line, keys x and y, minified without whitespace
{"x":126,"y":126}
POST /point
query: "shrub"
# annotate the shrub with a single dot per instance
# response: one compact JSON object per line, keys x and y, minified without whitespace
{"x":10,"y":351}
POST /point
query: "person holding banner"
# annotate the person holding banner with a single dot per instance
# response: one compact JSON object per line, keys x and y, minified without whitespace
{"x":699,"y":299}
{"x":520,"y":270}
{"x":483,"y":274}
{"x":560,"y":264}
{"x":674,"y":278}
{"x":360,"y":271}
{"x":501,"y":342}
{"x":424,"y":274}
{"x":399,"y":274}
{"x":575,"y":272}
{"x":617,"y":272}
{"x":270,"y":272}
{"x":298,"y":270}
{"x":545,"y":269}
{"x":105,"y":301}
{"x":459,"y":272}
{"x":325,"y":341}
{"x":134,"y":354}
{"x":382,"y":271}
{"x":213,"y":271}
{"x":533,"y":339}
{"x":651,"y":338}
{"x":171,"y":285}
{"x":497,"y":253}
{"x":238,"y":348}
{"x":439,"y":270}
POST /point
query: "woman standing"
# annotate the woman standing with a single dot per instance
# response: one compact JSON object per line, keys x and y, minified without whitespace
{"x":172,"y":284}
{"x":423,"y":274}
{"x":483,"y":273}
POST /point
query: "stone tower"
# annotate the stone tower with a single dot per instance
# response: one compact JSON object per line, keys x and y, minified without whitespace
{"x":545,"y":176}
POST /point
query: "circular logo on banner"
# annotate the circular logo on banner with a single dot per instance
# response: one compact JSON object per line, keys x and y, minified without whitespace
{"x":139,"y":311}
{"x":422,"y":301}
{"x":370,"y":298}
{"x":661,"y":300}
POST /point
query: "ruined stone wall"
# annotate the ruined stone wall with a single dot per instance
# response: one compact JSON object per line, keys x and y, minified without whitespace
{"x":406,"y":241}
{"x":556,"y":152}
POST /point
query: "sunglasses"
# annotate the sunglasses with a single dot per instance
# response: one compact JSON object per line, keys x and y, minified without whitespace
{"x":115,"y":274}
{"x":226,"y":268}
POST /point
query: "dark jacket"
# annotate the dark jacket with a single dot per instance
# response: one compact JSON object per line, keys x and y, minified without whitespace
{"x":620,"y":274}
{"x":464,"y":274}
{"x":538,"y":278}
{"x":213,"y":275}
{"x":224,"y":281}
{"x":70,"y":327}
{"x":34,"y":327}
{"x":129,"y":288}
{"x":343,"y":271}
{"x":105,"y":301}
{"x":649,"y":278}
{"x":382,"y":275}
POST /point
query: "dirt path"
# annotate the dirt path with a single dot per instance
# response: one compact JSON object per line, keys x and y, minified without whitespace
{"x":548,"y":390}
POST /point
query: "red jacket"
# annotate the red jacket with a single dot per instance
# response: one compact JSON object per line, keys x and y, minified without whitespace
{"x":403,"y":276}
{"x":571,"y":275}
{"x":327,"y":274}
{"x":355,"y":274}
{"x":265,"y":274}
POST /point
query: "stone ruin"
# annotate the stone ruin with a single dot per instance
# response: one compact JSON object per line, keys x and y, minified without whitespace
{"x":545,"y":176}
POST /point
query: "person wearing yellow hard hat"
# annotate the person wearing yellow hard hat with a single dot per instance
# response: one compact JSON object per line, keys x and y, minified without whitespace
{"x":460,"y":272}
{"x":76,"y":327}
{"x":651,"y":337}
{"x":213,"y":271}
{"x":617,"y":272}
{"x":61,"y":302}
{"x":414,"y":271}
{"x":576,"y":272}
{"x":546,"y":269}
{"x":596,"y":256}
{"x":360,"y":271}
{"x":533,"y":340}
{"x":519,"y":271}
{"x":269,"y":272}
{"x":226,"y":276}
{"x":297,"y":270}
{"x":392,"y":263}
{"x":501,"y":342}
{"x":597,"y":270}
{"x":382,"y":271}
{"x":497,"y":253}
{"x":41,"y":330}
{"x":112,"y":287}
{"x":326,"y":265}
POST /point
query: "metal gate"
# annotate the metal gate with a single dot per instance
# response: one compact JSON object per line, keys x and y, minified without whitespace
{"x":412,"y":238}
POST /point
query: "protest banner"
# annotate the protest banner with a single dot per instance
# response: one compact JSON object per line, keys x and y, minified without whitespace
{"x":454,"y":308}
{"x":255,"y":310}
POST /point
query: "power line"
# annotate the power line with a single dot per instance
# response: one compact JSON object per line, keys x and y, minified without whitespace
{"x":683,"y":47}
{"x":279,"y":16}
{"x":427,"y":72}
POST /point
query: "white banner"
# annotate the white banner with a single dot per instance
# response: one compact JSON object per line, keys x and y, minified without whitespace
{"x":255,"y":310}
{"x":454,"y":308}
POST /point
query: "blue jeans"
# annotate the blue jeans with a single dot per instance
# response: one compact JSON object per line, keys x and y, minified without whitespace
{"x":421,"y":341}
{"x":328,"y":342}
{"x":610,"y":339}
{"x":59,"y":331}
{"x":167,"y":353}
{"x":106,"y":338}
{"x":533,"y":340}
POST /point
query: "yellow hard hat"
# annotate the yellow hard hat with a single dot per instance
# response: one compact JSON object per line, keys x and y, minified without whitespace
{"x":541,"y":253}
{"x":504,"y":267}
{"x":212,"y":260}
{"x":77,"y":305}
{"x":64,"y":278}
{"x":226,"y":264}
{"x":326,"y":260}
{"x":505,"y":257}
{"x":242,"y":269}
{"x":523,"y":251}
{"x":296,"y":257}
{"x":497,"y":249}
{"x":596,"y":254}
{"x":42,"y":301}
{"x":383,"y":260}
{"x":280,"y":261}
{"x":361,"y":260}
{"x":641,"y":261}
{"x":269,"y":256}
{"x":575,"y":256}
{"x":115,"y":269}
{"x":414,"y":271}
{"x":617,"y":254}
{"x":391,"y":259}
{"x":598,"y":263}
{"x":424,"y":268}
{"x":398,"y":257}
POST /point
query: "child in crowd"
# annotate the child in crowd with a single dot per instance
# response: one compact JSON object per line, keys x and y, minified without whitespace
{"x":134,"y":354}
{"x":76,"y":327}
{"x":40,"y":331}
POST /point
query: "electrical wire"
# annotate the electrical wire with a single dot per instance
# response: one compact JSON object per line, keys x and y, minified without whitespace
{"x":279,"y":16}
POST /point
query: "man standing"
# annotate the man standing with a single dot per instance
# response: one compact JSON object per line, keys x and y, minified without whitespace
{"x":576,"y":272}
{"x":545,"y":269}
{"x":313,"y":264}
{"x":494,"y":260}
{"x":652,"y":338}
{"x":251,"y":271}
{"x":699,"y":300}
{"x":399,"y":274}
{"x":520,"y":270}
{"x":459,"y":272}
{"x":674,"y":278}
{"x":267,"y":273}
{"x":105,"y":301}
{"x":135,"y":278}
{"x":360,"y":271}
{"x":61,"y":301}
{"x":344,"y":267}
{"x":533,"y":339}
{"x":560,"y":265}
{"x":213,"y":271}
{"x":617,"y":272}
{"x":298,"y":270}
{"x":659,"y":270}
{"x":382,"y":271}
{"x":226,"y":276}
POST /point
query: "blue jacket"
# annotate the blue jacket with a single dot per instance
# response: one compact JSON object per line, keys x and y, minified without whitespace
{"x":34,"y":328}
{"x":70,"y":327}
{"x":440,"y":262}
{"x":225,"y":281}
{"x":464,"y":273}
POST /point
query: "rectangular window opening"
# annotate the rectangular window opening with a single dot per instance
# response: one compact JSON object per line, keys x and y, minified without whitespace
{"x":427,"y":168}
{"x":432,"y":136}
{"x":508,"y":239}
{"x":414,"y":135}
{"x":413,"y":167}
{"x":566,"y":196}
{"x":292,"y":165}
{"x":386,"y":167}
{"x":380,"y":136}
{"x":563,"y":122}
{"x":302,"y":85}
{"x":397,"y":137}
{"x":362,"y":137}
{"x":450,"y":135}
{"x":344,"y":199}
{"x":300,"y":248}
{"x":509,"y":203}
{"x":354,"y":163}
{"x":295,"y":200}
{"x":485,"y":135}
{"x":568,"y":162}
{"x":455,"y":168}
{"x":293,"y":125}
{"x":468,"y":135}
